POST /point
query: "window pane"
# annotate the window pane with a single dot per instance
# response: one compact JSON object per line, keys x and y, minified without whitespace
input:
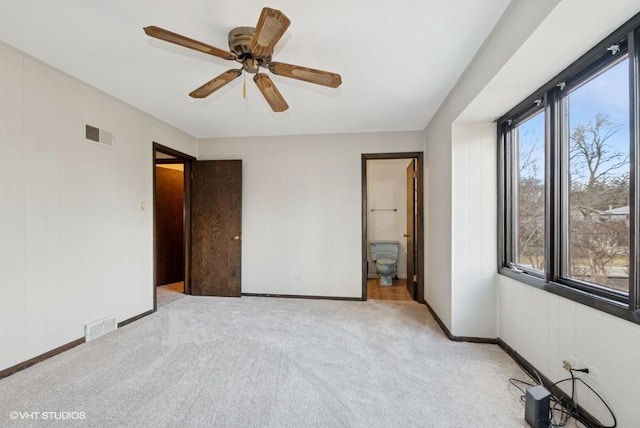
{"x":529,"y":230}
{"x":598,"y":214}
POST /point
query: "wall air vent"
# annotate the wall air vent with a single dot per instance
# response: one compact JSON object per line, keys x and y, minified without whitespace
{"x":100,"y":327}
{"x":99,"y":136}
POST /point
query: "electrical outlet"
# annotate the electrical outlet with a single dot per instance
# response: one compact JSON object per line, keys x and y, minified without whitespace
{"x":573,"y":362}
{"x":594,"y":373}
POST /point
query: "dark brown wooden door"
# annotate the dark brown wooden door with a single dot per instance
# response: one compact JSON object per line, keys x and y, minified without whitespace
{"x":411,"y":228}
{"x":216,"y":196}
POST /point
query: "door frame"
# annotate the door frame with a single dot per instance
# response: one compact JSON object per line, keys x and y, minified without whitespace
{"x":419,"y":238}
{"x":185,"y":160}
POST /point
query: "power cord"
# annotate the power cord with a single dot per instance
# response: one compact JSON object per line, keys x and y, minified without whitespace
{"x":573,"y":408}
{"x":565,"y":410}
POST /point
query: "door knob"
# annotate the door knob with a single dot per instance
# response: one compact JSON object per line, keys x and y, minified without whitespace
{"x":236,"y":238}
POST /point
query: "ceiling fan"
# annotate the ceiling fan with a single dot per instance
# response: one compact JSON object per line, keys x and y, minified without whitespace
{"x":252,"y":48}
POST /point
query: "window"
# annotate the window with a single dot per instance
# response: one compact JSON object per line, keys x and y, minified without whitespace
{"x":567,"y":168}
{"x":528,"y":147}
{"x":597,"y":142}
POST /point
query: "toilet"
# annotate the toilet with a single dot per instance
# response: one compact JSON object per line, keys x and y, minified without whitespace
{"x":385,"y":254}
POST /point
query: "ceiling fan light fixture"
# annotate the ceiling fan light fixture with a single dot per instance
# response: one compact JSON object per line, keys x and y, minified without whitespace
{"x":270,"y":92}
{"x":251,"y":65}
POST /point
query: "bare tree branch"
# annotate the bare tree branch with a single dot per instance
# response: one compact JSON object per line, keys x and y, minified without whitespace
{"x":599,"y":179}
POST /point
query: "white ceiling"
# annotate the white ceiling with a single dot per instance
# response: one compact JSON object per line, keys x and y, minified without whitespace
{"x":398,"y":59}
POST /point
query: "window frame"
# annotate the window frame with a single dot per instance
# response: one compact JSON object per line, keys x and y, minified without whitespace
{"x":599,"y":67}
{"x":549,"y":98}
{"x":513,"y":185}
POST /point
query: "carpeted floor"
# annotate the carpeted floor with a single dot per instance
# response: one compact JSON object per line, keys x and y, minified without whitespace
{"x":268,"y":362}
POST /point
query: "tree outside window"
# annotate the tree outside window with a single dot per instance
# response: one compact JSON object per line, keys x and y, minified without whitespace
{"x":598,"y":235}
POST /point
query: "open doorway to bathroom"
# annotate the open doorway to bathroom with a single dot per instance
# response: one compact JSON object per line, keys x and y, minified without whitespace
{"x":171,"y":223}
{"x":392,"y":219}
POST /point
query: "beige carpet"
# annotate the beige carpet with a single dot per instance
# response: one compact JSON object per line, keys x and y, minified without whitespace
{"x":268,"y":362}
{"x":169,"y":293}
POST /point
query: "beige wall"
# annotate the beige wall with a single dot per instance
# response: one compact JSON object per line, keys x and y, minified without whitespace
{"x":302,"y":208}
{"x":75,"y":243}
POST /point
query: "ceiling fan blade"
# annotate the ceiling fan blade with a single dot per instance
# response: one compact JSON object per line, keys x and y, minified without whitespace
{"x":168,"y":36}
{"x":271,"y":26}
{"x":216,"y":83}
{"x":307,"y":74}
{"x":270,"y":92}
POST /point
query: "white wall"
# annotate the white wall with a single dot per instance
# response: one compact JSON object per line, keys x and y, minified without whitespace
{"x":458,"y":173}
{"x":437,"y":239}
{"x":546,"y":329}
{"x":75,"y":245}
{"x":387,"y":189}
{"x":302,"y":208}
{"x":460,"y":141}
{"x":474,"y":229}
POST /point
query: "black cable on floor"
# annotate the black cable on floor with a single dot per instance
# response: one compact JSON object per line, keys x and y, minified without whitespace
{"x":566,"y":410}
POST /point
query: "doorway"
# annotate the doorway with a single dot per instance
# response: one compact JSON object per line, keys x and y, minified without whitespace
{"x":171,"y":222}
{"x":392,"y":215}
{"x":169,"y":209}
{"x":210,"y":215}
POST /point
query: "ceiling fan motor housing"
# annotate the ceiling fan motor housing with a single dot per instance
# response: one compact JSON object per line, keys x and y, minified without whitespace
{"x":239,"y":41}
